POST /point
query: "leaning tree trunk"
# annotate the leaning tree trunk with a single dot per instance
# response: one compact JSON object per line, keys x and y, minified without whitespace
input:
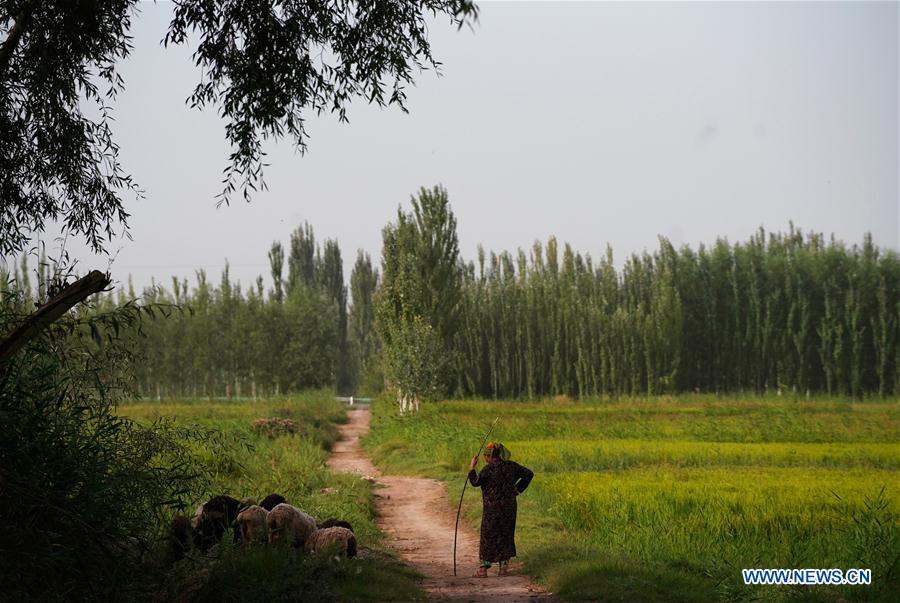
{"x":59,"y":304}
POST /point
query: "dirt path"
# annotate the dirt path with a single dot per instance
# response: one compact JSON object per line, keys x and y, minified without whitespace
{"x":418,"y":519}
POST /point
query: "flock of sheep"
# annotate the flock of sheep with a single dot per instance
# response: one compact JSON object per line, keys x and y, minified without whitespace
{"x":273,"y":520}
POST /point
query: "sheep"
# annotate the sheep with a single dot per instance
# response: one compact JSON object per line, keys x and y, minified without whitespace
{"x":272,"y":501}
{"x":246,"y":503}
{"x":212,"y":518}
{"x":331,"y":522}
{"x":340,"y":540}
{"x":178,"y":540}
{"x":289,"y":524}
{"x":251,"y":524}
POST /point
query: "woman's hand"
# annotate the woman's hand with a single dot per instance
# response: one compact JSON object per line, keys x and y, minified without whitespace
{"x":474,"y":462}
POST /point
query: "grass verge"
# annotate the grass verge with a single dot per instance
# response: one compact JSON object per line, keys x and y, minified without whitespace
{"x":246,"y":462}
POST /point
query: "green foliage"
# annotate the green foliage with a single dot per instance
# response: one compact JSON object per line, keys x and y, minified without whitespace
{"x":276,"y":262}
{"x":274,"y":427}
{"x":302,"y":258}
{"x":57,"y":63}
{"x":874,"y":536}
{"x":265,"y":66}
{"x":311,"y":340}
{"x":783,"y":313}
{"x":415,"y":361}
{"x":331,"y":280}
{"x":270,"y":574}
{"x":364,"y":344}
{"x":664,"y":421}
{"x":83,"y":491}
{"x":233,"y":342}
{"x":418,"y":303}
{"x":670,"y":497}
{"x":251,"y":463}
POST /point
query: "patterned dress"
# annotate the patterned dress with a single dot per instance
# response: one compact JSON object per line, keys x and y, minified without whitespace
{"x":499,"y":483}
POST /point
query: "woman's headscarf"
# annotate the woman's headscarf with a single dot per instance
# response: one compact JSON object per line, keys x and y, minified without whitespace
{"x":497,"y":450}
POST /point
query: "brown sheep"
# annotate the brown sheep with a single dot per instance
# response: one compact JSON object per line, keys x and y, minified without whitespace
{"x":339,"y":540}
{"x":252,"y":525}
{"x":289,"y":524}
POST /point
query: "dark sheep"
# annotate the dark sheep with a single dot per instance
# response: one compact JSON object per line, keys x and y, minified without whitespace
{"x":331,"y":522}
{"x":179,"y":538}
{"x":272,"y":501}
{"x":212,"y":518}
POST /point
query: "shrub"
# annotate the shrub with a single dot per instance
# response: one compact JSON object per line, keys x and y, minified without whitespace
{"x":83,"y":492}
{"x":275,"y":427}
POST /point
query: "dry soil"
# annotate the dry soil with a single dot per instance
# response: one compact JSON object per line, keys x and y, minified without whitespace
{"x":418,"y":519}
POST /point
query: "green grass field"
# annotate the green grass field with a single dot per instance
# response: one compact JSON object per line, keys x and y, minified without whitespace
{"x":246,"y":463}
{"x":669,"y":498}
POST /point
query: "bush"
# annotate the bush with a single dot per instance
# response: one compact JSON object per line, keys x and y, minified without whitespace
{"x":275,"y":427}
{"x":83,"y":492}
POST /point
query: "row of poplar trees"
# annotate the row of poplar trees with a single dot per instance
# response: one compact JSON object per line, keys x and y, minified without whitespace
{"x":780,"y":312}
{"x":217,"y":339}
{"x":783,"y":312}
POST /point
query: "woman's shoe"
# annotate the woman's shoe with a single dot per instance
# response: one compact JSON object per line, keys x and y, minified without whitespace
{"x":504,"y":568}
{"x":481,"y":572}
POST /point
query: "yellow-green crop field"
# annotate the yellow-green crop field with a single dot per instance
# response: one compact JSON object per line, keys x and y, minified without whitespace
{"x":669,"y":498}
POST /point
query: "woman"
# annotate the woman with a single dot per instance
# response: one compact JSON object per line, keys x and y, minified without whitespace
{"x":500,"y":481}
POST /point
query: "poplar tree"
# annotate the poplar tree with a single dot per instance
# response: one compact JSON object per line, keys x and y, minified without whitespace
{"x":418,"y":304}
{"x":276,"y":264}
{"x":780,"y":312}
{"x":362,"y":335}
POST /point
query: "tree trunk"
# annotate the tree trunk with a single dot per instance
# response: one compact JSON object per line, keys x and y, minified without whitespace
{"x":94,"y":282}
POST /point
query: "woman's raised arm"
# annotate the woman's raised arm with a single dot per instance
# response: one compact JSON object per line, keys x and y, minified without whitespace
{"x":476,"y":479}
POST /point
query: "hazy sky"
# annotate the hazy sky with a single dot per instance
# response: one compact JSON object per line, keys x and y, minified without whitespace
{"x":596,"y":122}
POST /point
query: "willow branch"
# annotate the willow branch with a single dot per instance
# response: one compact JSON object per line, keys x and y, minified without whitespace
{"x":15,"y":34}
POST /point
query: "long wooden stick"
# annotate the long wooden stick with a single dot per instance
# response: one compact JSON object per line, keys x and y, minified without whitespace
{"x":459,"y":509}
